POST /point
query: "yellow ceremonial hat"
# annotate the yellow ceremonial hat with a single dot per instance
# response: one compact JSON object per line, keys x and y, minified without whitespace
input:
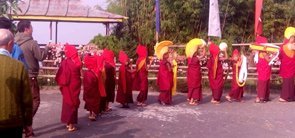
{"x":290,"y":31}
{"x":193,"y":45}
{"x":162,"y":48}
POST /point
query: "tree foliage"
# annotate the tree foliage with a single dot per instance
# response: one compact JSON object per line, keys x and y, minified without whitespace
{"x":8,"y":7}
{"x":182,"y":20}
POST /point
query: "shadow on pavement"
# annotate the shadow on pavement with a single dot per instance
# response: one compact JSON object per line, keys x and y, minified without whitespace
{"x":86,"y":128}
{"x":126,"y":134}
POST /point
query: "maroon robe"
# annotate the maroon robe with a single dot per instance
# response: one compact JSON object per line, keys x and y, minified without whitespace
{"x":264,"y":72}
{"x":124,"y":93}
{"x":215,"y":72}
{"x":141,"y":76}
{"x":194,"y":78}
{"x":91,"y":94}
{"x":236,"y":91}
{"x":68,"y":78}
{"x":110,"y":82}
{"x":287,"y":72}
{"x":216,"y":84}
{"x":165,"y":82}
{"x":141,"y":82}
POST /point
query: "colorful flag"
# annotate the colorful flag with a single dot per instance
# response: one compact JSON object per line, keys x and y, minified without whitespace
{"x":214,"y":19}
{"x":258,"y":17}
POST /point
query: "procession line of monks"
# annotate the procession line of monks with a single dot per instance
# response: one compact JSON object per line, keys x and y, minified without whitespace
{"x":100,"y":79}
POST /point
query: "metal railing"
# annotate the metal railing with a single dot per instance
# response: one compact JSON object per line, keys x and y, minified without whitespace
{"x":49,"y":72}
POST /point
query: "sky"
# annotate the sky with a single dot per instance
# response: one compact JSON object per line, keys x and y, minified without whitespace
{"x":73,"y":33}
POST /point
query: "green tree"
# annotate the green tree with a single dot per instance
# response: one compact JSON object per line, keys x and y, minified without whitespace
{"x":183,"y":20}
{"x":7,"y":7}
{"x":277,"y":16}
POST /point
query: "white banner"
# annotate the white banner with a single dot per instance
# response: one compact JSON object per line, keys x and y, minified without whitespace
{"x":214,"y":19}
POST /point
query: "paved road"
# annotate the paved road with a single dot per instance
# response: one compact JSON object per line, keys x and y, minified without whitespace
{"x":248,"y":119}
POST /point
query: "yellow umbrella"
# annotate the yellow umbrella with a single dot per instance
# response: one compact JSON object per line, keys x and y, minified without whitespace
{"x":192,"y":46}
{"x":161,"y":48}
{"x":290,"y":31}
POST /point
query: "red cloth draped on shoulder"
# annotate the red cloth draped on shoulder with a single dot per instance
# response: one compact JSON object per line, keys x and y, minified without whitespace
{"x":68,"y":78}
{"x":287,"y":57}
{"x":236,"y":91}
{"x":124,"y":93}
{"x":109,"y":56}
{"x":214,"y":53}
{"x":264,"y":72}
{"x":141,"y":73}
{"x":165,"y":77}
{"x":101,"y":82}
{"x":141,"y":51}
{"x":72,"y":53}
{"x":91,"y":94}
{"x":287,"y":71}
{"x":141,"y":76}
{"x":123,"y":58}
{"x":110,"y":72}
{"x":194,"y":75}
{"x":194,"y":78}
{"x":165,"y":82}
{"x":263,"y":69}
{"x":215,"y":70}
{"x":100,"y":71}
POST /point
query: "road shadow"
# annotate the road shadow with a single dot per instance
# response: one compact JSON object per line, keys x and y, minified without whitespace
{"x":86,"y":128}
{"x":126,"y":134}
{"x":179,"y":99}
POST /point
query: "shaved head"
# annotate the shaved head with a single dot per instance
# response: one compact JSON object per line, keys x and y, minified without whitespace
{"x":6,"y":39}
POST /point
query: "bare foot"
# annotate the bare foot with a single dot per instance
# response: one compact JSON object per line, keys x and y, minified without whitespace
{"x":215,"y":102}
{"x":72,"y":128}
{"x":143,"y":104}
{"x":228,"y":98}
{"x":108,"y":109}
{"x":194,"y":103}
{"x":282,"y":100}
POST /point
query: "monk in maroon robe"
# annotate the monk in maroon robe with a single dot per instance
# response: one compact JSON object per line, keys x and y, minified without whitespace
{"x":110,"y":81}
{"x":68,"y":78}
{"x":91,"y":94}
{"x":194,"y":78}
{"x":101,"y":75}
{"x":264,"y":72}
{"x":165,"y":80}
{"x":237,"y":91}
{"x":215,"y":72}
{"x":141,"y":77}
{"x":124,"y":93}
{"x":287,"y":70}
